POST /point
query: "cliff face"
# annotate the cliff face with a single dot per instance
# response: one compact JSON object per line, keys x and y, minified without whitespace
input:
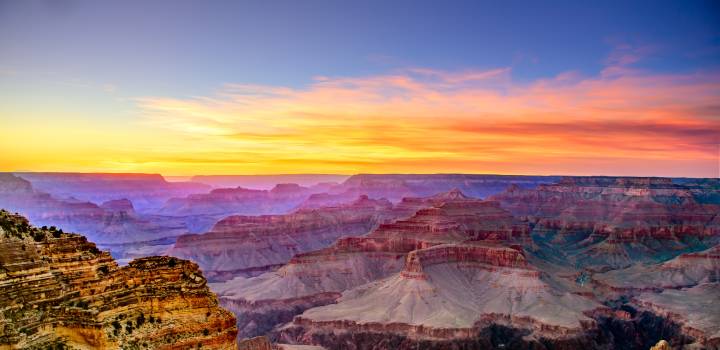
{"x":249,"y":245}
{"x":319,"y":277}
{"x":450,"y":292}
{"x":696,"y":309}
{"x":58,"y":288}
{"x":605,"y":222}
{"x":685,"y":270}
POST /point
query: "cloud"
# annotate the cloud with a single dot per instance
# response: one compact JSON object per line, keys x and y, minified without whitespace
{"x":425,"y":120}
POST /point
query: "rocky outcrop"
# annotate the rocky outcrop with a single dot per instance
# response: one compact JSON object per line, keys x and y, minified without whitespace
{"x":661,"y":345}
{"x":249,"y":245}
{"x":696,"y":309}
{"x":319,"y":277}
{"x":58,"y":288}
{"x":452,"y":291}
{"x":686,"y":270}
{"x":257,"y":343}
{"x":119,"y":205}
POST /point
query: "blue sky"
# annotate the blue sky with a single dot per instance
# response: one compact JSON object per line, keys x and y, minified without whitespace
{"x":188,"y":47}
{"x":201,"y":87}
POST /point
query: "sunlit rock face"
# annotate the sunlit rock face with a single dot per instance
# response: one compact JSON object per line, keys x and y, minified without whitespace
{"x":257,"y":343}
{"x":145,"y":191}
{"x":58,"y":288}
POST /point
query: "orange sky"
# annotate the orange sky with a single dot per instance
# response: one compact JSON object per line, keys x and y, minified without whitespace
{"x":414,"y":120}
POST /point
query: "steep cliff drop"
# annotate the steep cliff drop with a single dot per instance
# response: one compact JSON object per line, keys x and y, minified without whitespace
{"x":57,"y":290}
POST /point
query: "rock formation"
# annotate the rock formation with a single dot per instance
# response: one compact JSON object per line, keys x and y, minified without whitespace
{"x":249,"y":245}
{"x":661,"y":345}
{"x":450,"y":292}
{"x":461,"y":271}
{"x":257,"y":343}
{"x":319,"y":277}
{"x":686,"y":270}
{"x":58,"y":289}
{"x":696,"y":309}
{"x":605,"y":223}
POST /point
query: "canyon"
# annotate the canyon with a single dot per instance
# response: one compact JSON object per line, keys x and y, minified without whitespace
{"x":527,"y":267}
{"x":416,"y":261}
{"x":248,"y":245}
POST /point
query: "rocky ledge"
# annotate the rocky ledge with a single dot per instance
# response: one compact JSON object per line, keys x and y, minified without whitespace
{"x":58,"y":288}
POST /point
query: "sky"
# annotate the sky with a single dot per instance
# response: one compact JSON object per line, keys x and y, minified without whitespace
{"x":265,"y":87}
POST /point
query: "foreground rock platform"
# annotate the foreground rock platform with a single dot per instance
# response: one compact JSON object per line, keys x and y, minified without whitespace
{"x":57,"y":290}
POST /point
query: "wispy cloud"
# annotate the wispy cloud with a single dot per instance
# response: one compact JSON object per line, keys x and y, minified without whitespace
{"x":418,"y":119}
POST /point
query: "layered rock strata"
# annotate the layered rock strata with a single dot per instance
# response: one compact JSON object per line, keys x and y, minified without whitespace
{"x":450,"y":292}
{"x":606,"y":223}
{"x":319,"y":277}
{"x":250,"y":245}
{"x":58,"y":288}
{"x":686,"y":270}
{"x":696,"y":309}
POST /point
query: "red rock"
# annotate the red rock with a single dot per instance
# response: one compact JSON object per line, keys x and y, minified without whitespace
{"x":238,"y":244}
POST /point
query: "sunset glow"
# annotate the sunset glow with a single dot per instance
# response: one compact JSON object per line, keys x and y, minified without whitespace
{"x":624,"y":119}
